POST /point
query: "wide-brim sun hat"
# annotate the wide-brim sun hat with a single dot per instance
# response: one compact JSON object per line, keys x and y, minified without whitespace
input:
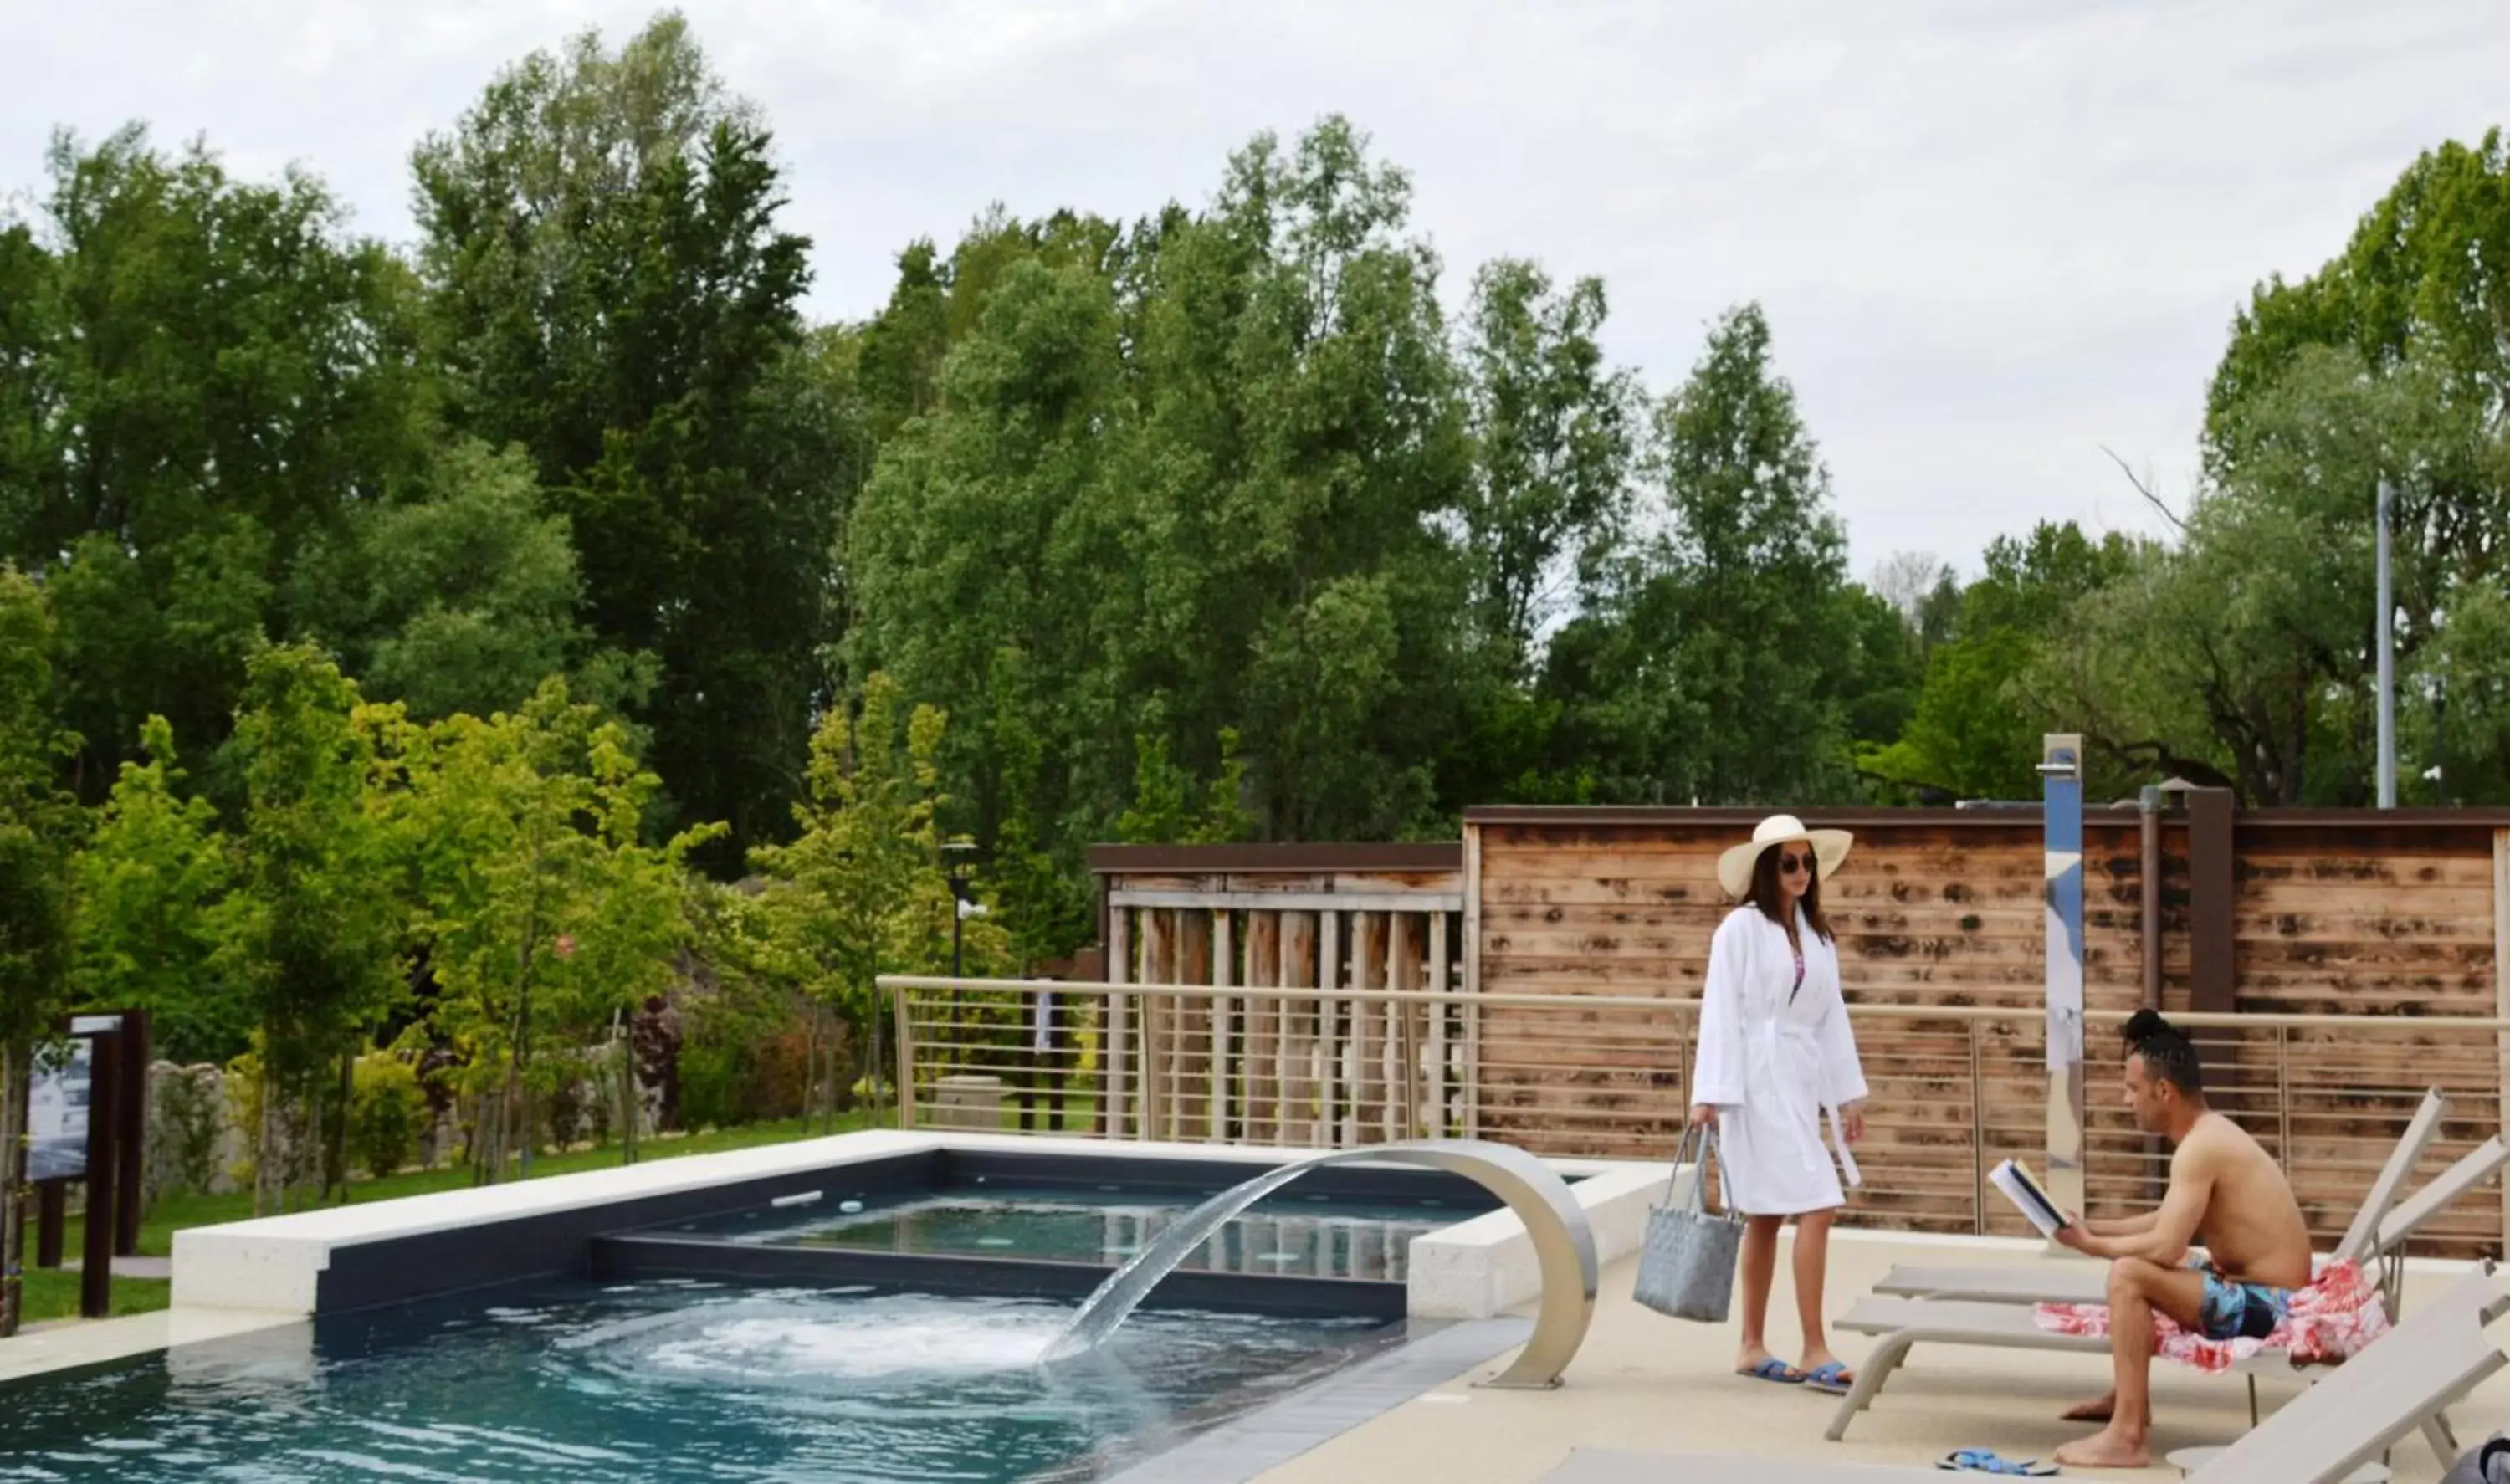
{"x":1829,"y":851}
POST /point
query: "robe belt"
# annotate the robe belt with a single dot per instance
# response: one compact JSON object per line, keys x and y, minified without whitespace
{"x":1772,"y":1029}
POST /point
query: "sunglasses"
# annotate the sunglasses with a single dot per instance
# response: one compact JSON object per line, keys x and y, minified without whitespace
{"x":1789,"y":862}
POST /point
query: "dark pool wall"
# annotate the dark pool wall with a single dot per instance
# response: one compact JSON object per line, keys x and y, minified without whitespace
{"x":563,"y":1244}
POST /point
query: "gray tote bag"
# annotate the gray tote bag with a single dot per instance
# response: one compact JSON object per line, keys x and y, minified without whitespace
{"x":1687,"y":1265}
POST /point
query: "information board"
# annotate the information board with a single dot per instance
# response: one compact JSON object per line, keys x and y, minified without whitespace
{"x":58,"y":1099}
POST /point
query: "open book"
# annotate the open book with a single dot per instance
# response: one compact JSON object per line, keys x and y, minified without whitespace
{"x":2014,"y":1180}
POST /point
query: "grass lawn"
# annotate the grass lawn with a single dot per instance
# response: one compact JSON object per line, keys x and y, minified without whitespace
{"x":55,"y":1294}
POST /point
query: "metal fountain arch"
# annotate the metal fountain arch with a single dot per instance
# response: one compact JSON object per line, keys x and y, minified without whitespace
{"x":1564,"y":1246}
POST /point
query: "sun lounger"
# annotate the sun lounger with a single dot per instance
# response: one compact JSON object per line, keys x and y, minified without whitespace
{"x":1904,"y":1324}
{"x":2404,"y":1378}
{"x":2085,"y":1281}
{"x":2007,"y":1319}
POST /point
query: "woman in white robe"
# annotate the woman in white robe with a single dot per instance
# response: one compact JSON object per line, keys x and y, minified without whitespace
{"x":1776,"y":1062}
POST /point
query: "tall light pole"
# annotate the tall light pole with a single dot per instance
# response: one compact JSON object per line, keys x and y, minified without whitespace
{"x":962,"y":894}
{"x":2388,"y":641}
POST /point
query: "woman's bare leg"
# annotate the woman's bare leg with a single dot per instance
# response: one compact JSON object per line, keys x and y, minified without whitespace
{"x":1758,"y":1269}
{"x":1812,"y":1270}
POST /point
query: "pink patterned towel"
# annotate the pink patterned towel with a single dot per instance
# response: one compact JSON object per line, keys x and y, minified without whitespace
{"x":2332,"y":1320}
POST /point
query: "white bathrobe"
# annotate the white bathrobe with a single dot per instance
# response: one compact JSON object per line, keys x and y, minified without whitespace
{"x":1773,"y":1068}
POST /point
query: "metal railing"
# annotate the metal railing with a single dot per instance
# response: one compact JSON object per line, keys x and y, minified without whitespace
{"x":1954,"y":1090}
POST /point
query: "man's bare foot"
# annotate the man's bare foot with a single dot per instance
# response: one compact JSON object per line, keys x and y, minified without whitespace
{"x":2099,"y":1410}
{"x":2105,"y":1449}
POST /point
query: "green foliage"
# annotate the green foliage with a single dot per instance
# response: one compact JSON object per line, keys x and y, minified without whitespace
{"x":609,"y":289}
{"x":461,"y":598}
{"x":1986,"y":697}
{"x":38,"y":822}
{"x":221,"y":373}
{"x":544,"y":916}
{"x":148,"y":884}
{"x":861,"y":892}
{"x":387,"y":1115}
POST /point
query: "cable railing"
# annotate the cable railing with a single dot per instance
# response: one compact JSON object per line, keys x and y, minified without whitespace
{"x":1954,"y":1090}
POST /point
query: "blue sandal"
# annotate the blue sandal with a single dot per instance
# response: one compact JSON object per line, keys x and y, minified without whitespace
{"x":1986,"y":1461}
{"x":1775,"y":1370}
{"x":1830,"y":1376}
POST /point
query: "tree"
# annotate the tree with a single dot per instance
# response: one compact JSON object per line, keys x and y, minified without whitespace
{"x":310,"y":932}
{"x":545,"y":918}
{"x":610,"y":289}
{"x":1554,"y":430}
{"x":2245,"y":654}
{"x":860,"y":892}
{"x":148,"y":884}
{"x":38,"y":828}
{"x":219,"y":373}
{"x":1974,"y":731}
{"x":462,"y":595}
{"x":1715,"y":671}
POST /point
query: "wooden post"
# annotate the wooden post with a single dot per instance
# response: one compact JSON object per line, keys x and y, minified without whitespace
{"x":1159,"y":967}
{"x":2501,"y":983}
{"x":133,"y":1115}
{"x":1115,"y":1093}
{"x":1263,"y":1043}
{"x":1190,"y":1075}
{"x":1329,"y":1052}
{"x":52,"y":1215}
{"x":1403,"y":1054}
{"x":1437,"y":1119}
{"x":1364,"y":1108}
{"x":1299,"y":1030}
{"x":1472,"y":1068}
{"x":104,"y":1090}
{"x":1224,"y":1067}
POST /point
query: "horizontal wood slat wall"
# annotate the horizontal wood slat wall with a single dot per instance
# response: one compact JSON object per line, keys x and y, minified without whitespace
{"x":2335,"y":913}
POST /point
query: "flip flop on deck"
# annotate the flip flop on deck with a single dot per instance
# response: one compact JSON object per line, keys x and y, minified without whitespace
{"x":1986,"y":1461}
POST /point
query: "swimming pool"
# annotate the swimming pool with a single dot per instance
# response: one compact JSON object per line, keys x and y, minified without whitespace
{"x":670,"y":1381}
{"x":867,"y":1306}
{"x":1300,"y":1233}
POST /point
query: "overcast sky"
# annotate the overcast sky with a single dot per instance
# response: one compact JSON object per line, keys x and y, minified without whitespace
{"x":1993,"y":236}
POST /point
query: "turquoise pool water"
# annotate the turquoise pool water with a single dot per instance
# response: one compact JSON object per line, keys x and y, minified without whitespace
{"x":669,"y":1381}
{"x":1290,"y":1235}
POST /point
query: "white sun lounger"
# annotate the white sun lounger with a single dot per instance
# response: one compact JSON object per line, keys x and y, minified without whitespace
{"x":2399,"y":1384}
{"x":1901,"y":1325}
{"x":2086,"y":1281}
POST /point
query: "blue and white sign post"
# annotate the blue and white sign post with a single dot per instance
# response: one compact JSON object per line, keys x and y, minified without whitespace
{"x":2061,"y":792}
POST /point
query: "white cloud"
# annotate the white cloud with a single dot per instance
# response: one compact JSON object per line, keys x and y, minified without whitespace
{"x":1993,"y":234}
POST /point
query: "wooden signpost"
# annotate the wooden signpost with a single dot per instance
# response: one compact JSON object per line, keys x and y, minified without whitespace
{"x":87,"y":1119}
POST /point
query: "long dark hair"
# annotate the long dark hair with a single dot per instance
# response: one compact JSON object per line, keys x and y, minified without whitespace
{"x":1767,"y":894}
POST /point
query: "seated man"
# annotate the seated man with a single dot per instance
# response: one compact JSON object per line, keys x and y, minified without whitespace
{"x":2225,"y":1192}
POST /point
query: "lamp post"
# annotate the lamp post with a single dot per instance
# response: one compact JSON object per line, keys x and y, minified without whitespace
{"x":2387,"y":665}
{"x":963,"y":894}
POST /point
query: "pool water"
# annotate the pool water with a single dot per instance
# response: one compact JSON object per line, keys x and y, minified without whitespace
{"x":1288,"y":1236}
{"x":670,"y":1381}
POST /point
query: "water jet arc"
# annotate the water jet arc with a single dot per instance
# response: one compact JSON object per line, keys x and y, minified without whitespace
{"x":1564,"y":1247}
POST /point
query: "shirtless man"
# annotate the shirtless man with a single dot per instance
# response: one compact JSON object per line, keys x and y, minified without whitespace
{"x":2227,"y":1193}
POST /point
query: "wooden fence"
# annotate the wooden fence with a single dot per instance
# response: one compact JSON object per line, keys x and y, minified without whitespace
{"x":2194,"y":909}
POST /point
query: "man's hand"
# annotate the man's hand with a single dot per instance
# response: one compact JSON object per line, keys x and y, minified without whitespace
{"x":1853,"y":1122}
{"x":2071,"y":1235}
{"x":1702,"y":1115}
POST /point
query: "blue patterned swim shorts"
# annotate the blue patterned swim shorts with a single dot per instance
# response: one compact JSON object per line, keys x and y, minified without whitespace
{"x":2241,"y":1311}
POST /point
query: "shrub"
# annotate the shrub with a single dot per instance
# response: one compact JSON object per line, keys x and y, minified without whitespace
{"x":387,"y":1113}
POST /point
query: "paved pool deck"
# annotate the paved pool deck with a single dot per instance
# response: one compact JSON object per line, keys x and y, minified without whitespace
{"x":1648,"y":1384}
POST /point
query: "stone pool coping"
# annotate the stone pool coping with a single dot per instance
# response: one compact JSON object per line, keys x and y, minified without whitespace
{"x":101,"y":1342}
